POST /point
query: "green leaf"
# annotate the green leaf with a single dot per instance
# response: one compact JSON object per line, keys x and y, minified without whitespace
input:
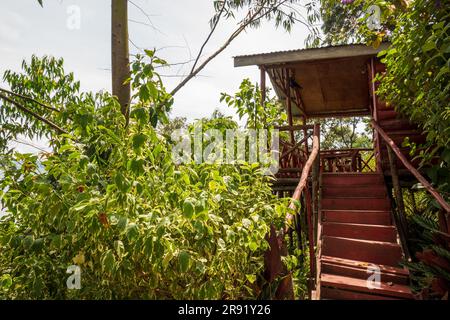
{"x":430,"y":45}
{"x":122,"y":224}
{"x":188,"y":208}
{"x":253,"y":246}
{"x":144,"y":93}
{"x":119,"y":247}
{"x":122,"y":183}
{"x":184,"y":259}
{"x":108,"y":261}
{"x":148,"y":247}
{"x":110,"y":133}
{"x":152,"y":90}
{"x":132,"y":231}
{"x":137,"y":166}
{"x":167,"y":258}
{"x":138,"y":141}
{"x":251,"y":278}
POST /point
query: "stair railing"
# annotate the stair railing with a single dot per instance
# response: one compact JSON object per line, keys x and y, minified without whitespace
{"x":411,"y":168}
{"x":393,"y":149}
{"x":311,"y":202}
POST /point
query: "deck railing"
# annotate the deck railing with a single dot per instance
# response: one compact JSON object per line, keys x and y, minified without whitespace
{"x":348,"y":160}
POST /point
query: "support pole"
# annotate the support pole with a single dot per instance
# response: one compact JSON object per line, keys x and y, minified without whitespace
{"x":398,"y":199}
{"x":289,"y":105}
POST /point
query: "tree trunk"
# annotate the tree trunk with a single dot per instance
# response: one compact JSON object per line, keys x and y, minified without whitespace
{"x":120,"y":56}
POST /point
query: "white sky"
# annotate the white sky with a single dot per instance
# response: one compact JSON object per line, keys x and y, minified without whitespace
{"x":26,"y":29}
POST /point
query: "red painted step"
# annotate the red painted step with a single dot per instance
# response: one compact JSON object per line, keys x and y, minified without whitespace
{"x":353,"y":284}
{"x":339,"y":294}
{"x":360,"y":231}
{"x":381,"y":204}
{"x":358,"y":269}
{"x":387,"y":114}
{"x":396,"y":124}
{"x":357,"y":216}
{"x":351,"y":179}
{"x":369,"y":191}
{"x":362,"y":250}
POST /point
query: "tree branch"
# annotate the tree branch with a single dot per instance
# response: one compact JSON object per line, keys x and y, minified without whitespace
{"x":251,"y":18}
{"x":30,"y":99}
{"x":34,"y":114}
{"x":208,"y":37}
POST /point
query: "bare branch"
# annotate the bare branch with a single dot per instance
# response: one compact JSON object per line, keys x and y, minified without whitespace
{"x":30,"y":99}
{"x":34,"y":114}
{"x":208,"y":37}
{"x":247,"y":21}
{"x":146,"y":15}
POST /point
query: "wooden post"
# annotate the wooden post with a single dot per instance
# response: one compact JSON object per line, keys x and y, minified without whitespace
{"x":398,"y":199}
{"x":315,"y":187}
{"x":263,"y":85}
{"x":305,"y":133}
{"x":375,"y":116}
{"x":289,"y":104}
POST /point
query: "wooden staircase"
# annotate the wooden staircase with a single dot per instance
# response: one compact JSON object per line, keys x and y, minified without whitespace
{"x":356,"y":232}
{"x":397,"y":128}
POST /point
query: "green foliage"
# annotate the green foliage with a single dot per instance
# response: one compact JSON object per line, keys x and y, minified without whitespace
{"x":285,"y":13}
{"x":430,"y":269}
{"x":344,"y":133}
{"x":417,"y":81}
{"x":345,"y":23}
{"x":247,"y":102}
{"x":110,"y":199}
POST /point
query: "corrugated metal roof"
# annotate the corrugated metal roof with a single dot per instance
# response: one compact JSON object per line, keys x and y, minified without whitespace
{"x":307,"y":54}
{"x":297,"y":50}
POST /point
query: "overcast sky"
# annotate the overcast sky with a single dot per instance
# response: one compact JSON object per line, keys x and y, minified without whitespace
{"x":180,"y":27}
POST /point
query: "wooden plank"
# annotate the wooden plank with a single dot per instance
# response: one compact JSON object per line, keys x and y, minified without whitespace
{"x":358,"y":216}
{"x":339,"y":294}
{"x":360,"y":285}
{"x":360,"y":231}
{"x":381,"y":204}
{"x":361,"y":273}
{"x":369,"y":191}
{"x":376,"y":252}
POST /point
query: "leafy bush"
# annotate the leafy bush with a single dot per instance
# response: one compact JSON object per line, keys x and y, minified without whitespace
{"x":110,"y":200}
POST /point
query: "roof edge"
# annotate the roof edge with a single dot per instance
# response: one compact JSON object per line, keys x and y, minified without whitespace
{"x":302,"y":55}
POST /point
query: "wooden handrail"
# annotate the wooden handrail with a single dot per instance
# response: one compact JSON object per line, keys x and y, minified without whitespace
{"x":346,"y":150}
{"x":305,"y":172}
{"x":302,"y":187}
{"x":411,"y":168}
{"x":294,"y":127}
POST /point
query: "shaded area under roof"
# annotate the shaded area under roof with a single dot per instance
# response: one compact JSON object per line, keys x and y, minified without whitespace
{"x":323,"y":82}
